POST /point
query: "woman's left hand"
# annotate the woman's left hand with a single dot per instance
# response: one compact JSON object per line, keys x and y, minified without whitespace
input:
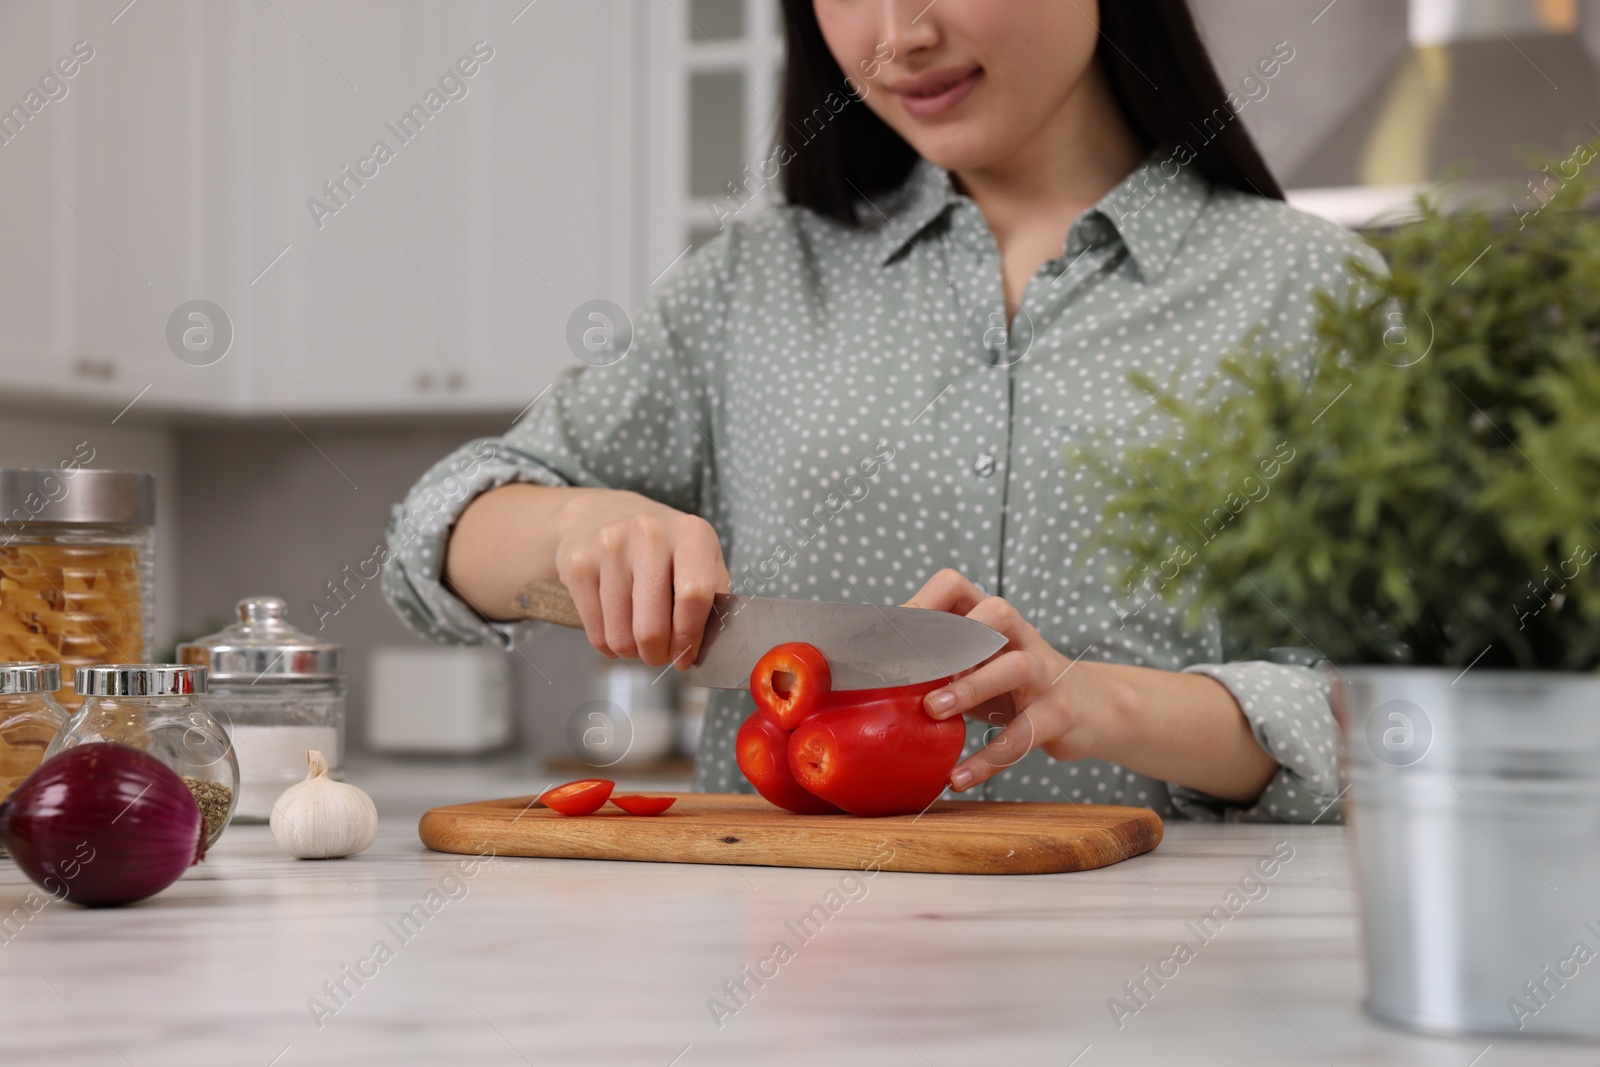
{"x":1029,"y":694}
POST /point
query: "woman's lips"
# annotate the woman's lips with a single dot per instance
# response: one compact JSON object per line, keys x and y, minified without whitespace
{"x":943,"y":98}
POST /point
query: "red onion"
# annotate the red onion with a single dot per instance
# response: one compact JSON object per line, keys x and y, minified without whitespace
{"x":103,"y":824}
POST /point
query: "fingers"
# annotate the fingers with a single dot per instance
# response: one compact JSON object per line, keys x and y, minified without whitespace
{"x":698,"y":575}
{"x":644,"y":586}
{"x":583,"y":583}
{"x":991,"y":694}
{"x":998,"y":614}
{"x":616,"y":608}
{"x":1005,"y":673}
{"x":949,"y":590}
{"x":1019,"y":737}
{"x":652,"y":603}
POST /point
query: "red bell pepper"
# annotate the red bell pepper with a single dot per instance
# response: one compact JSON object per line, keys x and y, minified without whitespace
{"x":877,"y":752}
{"x":867,"y":752}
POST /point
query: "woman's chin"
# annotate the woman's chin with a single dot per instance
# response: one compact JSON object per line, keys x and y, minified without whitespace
{"x":957,"y":149}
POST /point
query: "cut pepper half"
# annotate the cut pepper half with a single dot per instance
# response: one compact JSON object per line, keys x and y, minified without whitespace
{"x":583,"y":797}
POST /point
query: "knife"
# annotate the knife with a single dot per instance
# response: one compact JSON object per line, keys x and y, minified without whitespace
{"x":867,"y":647}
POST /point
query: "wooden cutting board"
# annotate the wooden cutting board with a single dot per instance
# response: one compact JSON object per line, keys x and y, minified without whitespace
{"x":952,"y":837}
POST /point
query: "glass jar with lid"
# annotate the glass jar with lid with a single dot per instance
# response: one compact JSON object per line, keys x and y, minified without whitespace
{"x":77,"y":566}
{"x":279,"y":692}
{"x":29,"y":719}
{"x":156,"y":708}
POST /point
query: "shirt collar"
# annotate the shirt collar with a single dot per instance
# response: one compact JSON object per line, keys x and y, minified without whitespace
{"x":899,"y":219}
{"x":1150,"y":211}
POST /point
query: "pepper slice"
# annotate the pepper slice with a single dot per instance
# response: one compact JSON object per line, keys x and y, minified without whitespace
{"x":639,"y":804}
{"x":790,"y":683}
{"x":583,"y":797}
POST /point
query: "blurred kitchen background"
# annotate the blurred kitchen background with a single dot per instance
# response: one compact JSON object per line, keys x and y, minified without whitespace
{"x":430,"y":303}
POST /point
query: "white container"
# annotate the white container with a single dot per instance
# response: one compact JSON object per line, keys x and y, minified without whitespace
{"x":629,"y":720}
{"x":693,"y":702}
{"x":442,"y":701}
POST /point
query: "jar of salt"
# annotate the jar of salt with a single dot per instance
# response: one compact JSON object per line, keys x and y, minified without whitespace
{"x":278,"y":691}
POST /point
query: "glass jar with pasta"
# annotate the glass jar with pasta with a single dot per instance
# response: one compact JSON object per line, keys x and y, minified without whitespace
{"x":77,"y":568}
{"x":29,"y":719}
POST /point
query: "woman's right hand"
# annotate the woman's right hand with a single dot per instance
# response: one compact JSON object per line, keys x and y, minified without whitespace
{"x":642,"y":574}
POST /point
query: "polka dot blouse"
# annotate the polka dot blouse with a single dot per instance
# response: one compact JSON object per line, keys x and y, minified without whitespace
{"x":851,"y":410}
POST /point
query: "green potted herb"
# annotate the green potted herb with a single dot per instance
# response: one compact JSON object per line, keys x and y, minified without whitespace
{"x":1419,"y":504}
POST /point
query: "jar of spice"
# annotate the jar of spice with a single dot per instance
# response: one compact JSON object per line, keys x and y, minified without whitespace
{"x":29,"y":719}
{"x":156,"y":708}
{"x":279,"y":692}
{"x":77,"y":566}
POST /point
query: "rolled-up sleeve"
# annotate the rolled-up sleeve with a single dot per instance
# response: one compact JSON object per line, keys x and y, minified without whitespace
{"x":1290,"y":716}
{"x":643,"y":423}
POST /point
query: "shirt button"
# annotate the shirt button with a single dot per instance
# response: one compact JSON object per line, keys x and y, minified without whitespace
{"x":984,"y":464}
{"x":1094,"y":229}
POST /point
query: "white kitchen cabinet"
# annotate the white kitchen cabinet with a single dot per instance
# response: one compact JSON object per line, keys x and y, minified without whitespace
{"x":447,"y":279}
{"x":193,"y":140}
{"x":106,"y":221}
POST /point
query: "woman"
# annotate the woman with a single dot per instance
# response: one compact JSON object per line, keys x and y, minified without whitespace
{"x":867,"y":394}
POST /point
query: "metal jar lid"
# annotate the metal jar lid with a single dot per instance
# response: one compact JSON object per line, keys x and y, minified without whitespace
{"x":29,"y":678}
{"x":262,"y":646}
{"x":79,"y":495}
{"x":140,"y":680}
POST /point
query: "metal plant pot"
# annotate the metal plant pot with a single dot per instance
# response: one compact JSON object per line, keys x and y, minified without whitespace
{"x":1475,"y":808}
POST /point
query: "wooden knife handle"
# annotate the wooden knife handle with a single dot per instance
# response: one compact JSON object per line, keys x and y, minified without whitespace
{"x":548,"y":601}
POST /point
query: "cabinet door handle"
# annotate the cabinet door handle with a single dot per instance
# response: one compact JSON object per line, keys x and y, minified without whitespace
{"x":454,"y":381}
{"x":103,"y":370}
{"x":425,"y":381}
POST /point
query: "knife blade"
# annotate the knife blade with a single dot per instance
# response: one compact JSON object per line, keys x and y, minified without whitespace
{"x":867,"y":647}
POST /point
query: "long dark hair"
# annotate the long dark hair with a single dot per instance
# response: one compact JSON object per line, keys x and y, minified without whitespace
{"x":839,"y":151}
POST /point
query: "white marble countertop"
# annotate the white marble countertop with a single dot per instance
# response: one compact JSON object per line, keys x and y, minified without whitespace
{"x":569,"y":962}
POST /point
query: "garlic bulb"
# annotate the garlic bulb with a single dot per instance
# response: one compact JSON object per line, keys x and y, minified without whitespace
{"x":321,"y":819}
